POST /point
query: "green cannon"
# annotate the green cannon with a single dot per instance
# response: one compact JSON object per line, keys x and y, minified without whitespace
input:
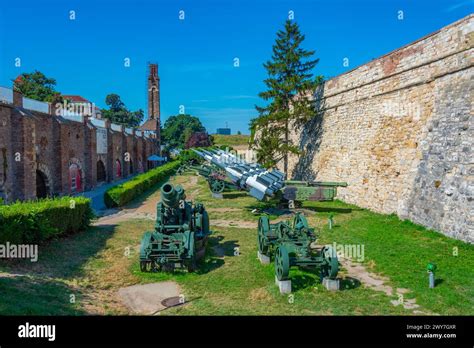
{"x":180,"y":234}
{"x":301,"y":191}
{"x":290,"y":245}
{"x":215,"y":176}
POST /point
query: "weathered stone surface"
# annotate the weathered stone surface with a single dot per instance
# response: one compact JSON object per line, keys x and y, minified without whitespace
{"x":283,"y":285}
{"x":264,"y":260}
{"x":400,"y":131}
{"x":331,"y":284}
{"x":148,"y":298}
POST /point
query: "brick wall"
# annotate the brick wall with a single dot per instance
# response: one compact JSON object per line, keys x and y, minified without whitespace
{"x":31,"y":141}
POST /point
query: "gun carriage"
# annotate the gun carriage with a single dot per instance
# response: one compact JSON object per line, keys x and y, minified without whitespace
{"x":290,"y":245}
{"x":180,"y":234}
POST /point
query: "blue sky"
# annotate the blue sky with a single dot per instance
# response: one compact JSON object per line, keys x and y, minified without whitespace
{"x":196,"y":55}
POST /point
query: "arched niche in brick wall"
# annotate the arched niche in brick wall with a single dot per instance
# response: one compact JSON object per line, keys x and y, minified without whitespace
{"x":76,"y":175}
{"x":101,"y":172}
{"x":44,"y":184}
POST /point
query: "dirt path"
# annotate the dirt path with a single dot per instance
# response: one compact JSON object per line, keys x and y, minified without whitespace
{"x":379,"y":283}
{"x":147,"y":208}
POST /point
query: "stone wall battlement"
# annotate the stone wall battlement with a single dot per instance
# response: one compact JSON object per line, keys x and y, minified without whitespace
{"x":400,"y":131}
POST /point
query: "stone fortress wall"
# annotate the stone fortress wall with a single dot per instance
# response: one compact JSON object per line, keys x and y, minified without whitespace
{"x":400,"y":131}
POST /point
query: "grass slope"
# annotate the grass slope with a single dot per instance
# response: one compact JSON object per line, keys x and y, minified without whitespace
{"x":96,"y":263}
{"x":231,"y":140}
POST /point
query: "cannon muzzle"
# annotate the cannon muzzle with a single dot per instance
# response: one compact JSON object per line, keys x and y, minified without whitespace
{"x":170,"y":196}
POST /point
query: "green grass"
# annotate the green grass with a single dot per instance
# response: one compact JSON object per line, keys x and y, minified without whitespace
{"x":93,"y":265}
{"x":231,"y":140}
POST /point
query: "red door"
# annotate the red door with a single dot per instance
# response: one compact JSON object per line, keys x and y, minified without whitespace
{"x":119,"y":169}
{"x":78,"y":180}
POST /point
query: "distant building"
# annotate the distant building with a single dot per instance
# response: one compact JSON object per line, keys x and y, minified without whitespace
{"x":223,"y":131}
{"x":82,"y":106}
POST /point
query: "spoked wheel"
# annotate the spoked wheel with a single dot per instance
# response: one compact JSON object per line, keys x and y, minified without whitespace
{"x":282,"y":263}
{"x":217,"y":186}
{"x":263,"y":230}
{"x":330,"y":266}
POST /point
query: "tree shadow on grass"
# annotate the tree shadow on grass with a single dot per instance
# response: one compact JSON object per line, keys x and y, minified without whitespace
{"x":23,"y":295}
{"x":215,"y":252}
{"x":234,"y":194}
{"x":331,"y":210}
{"x":64,"y":257}
{"x":349,"y":283}
{"x":303,"y":281}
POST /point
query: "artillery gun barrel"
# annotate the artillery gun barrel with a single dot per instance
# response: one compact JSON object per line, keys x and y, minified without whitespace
{"x":170,"y":196}
{"x":316,"y":183}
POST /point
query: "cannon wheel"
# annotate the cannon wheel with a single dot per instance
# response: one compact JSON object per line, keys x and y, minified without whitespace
{"x":282,"y":263}
{"x":330,"y":266}
{"x":217,"y":186}
{"x":263,"y":230}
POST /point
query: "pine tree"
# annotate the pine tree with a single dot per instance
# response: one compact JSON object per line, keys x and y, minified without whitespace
{"x":291,"y":85}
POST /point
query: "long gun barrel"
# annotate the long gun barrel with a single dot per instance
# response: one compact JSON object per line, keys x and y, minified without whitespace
{"x":316,"y":183}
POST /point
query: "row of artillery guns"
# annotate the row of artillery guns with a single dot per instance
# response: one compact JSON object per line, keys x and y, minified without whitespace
{"x":181,"y":232}
{"x":225,"y":171}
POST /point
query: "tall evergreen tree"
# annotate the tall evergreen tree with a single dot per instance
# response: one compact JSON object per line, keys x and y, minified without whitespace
{"x":291,"y":85}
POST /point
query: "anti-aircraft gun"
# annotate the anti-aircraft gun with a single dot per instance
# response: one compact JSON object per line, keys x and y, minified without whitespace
{"x":180,"y":234}
{"x":225,"y":170}
{"x":290,"y":245}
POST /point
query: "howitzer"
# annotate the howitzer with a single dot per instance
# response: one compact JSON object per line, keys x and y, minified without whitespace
{"x":180,"y":234}
{"x":252,"y":177}
{"x":290,"y":245}
{"x":215,"y":177}
{"x":229,"y":171}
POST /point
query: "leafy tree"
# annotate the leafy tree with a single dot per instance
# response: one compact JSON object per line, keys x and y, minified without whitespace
{"x":177,"y":130}
{"x":118,"y":112}
{"x":37,"y":86}
{"x":290,"y":86}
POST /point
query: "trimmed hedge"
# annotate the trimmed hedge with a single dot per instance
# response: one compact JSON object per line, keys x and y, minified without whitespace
{"x":119,"y":195}
{"x":36,"y":221}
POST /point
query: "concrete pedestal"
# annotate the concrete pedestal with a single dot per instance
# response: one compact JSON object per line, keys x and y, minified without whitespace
{"x":331,"y":284}
{"x":217,"y":195}
{"x":264,"y":259}
{"x":283,"y":285}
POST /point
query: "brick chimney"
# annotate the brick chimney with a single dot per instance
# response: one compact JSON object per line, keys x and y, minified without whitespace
{"x":17,"y":98}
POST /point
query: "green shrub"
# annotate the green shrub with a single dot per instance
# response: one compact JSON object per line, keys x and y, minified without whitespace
{"x":36,"y":221}
{"x":119,"y":195}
